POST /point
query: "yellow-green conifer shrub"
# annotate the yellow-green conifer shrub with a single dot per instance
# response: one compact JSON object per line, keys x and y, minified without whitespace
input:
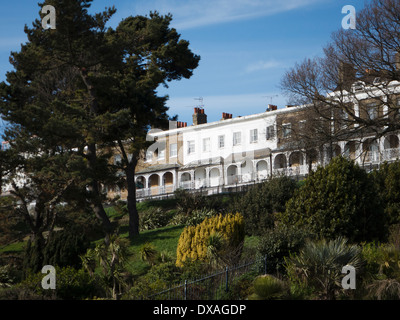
{"x":193,"y":239}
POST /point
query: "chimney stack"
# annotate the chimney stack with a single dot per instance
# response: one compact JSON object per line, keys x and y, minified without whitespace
{"x":199,"y":117}
{"x":180,"y":124}
{"x":226,"y":116}
{"x":347,"y":74}
{"x":272,"y":107}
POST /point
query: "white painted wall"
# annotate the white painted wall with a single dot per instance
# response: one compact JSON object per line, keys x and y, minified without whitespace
{"x":227,"y":128}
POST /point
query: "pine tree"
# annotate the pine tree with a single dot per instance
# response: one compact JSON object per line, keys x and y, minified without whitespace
{"x":154,"y":55}
{"x":84,"y":88}
{"x":52,"y":93}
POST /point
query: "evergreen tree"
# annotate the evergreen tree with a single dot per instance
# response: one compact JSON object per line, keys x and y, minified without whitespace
{"x":52,"y":92}
{"x":262,"y":201}
{"x":82,"y":87}
{"x":338,"y":200}
{"x":154,"y":55}
{"x":387,"y":181}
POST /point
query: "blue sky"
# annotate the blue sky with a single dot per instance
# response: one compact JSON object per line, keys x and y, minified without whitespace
{"x":245,"y":45}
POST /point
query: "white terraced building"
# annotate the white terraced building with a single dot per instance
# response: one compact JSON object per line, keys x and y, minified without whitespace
{"x":228,"y":154}
{"x":234,"y":152}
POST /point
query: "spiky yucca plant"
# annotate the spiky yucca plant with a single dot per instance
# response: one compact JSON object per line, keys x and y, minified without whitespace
{"x":319,"y":264}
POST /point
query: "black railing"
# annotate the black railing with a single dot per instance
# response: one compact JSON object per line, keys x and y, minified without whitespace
{"x":211,"y":287}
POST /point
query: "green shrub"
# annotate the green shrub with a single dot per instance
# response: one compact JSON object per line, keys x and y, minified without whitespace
{"x":64,"y":248}
{"x":338,"y":200}
{"x":154,"y":218}
{"x":142,"y":288}
{"x":259,"y":204}
{"x":387,"y":182}
{"x":278,"y":243}
{"x":188,"y":201}
{"x":167,"y":272}
{"x":268,"y":287}
{"x":6,"y":277}
{"x":240,"y":288}
{"x":191,"y":269}
{"x":194,"y":218}
{"x":382,"y":260}
{"x":71,"y":284}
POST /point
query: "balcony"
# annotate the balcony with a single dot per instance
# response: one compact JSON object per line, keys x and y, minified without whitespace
{"x":155,"y":191}
{"x":371,"y":157}
{"x":391,"y":154}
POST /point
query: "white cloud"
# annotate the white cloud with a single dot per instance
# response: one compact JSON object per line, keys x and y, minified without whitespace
{"x":196,"y":13}
{"x":262,"y":65}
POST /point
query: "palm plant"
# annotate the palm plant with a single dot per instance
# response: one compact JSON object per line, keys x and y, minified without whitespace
{"x":319,"y":264}
{"x":384,"y":262}
{"x":215,"y":245}
{"x":384,"y":289}
{"x":6,"y":280}
{"x":111,"y":257}
{"x":148,"y":253}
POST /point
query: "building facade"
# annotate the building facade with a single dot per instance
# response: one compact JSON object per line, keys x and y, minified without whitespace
{"x":233,"y":152}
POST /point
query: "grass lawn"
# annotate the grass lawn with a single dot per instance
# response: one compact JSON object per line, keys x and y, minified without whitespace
{"x":16,"y":247}
{"x":164,"y":240}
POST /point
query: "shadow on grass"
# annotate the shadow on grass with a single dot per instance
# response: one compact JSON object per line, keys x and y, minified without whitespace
{"x":165,"y":233}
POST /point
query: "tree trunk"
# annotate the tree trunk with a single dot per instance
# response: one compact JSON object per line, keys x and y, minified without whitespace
{"x":93,"y":187}
{"x":132,"y":210}
{"x":92,"y":159}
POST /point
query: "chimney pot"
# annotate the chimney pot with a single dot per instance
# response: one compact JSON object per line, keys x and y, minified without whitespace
{"x":347,"y":74}
{"x":199,"y":117}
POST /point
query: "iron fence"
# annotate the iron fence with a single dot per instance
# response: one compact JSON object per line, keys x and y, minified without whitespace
{"x":215,"y":286}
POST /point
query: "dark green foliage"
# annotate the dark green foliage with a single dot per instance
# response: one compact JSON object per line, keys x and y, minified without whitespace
{"x":167,"y":272}
{"x":11,"y":224}
{"x":319,"y":264}
{"x":154,"y":218}
{"x":191,"y":269}
{"x":278,"y":243}
{"x":196,"y":216}
{"x":64,"y":248}
{"x":71,"y":284}
{"x":260,"y":203}
{"x":83,"y":220}
{"x":82,"y":99}
{"x":338,"y":200}
{"x":387,"y":182}
{"x":188,"y":201}
{"x":268,"y":287}
{"x":240,"y":288}
{"x":158,"y":278}
{"x":33,"y":257}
